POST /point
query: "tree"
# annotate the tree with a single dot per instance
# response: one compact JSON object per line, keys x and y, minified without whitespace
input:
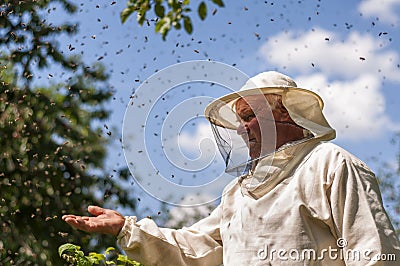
{"x":388,"y":177}
{"x":52,"y":148}
{"x":168,"y":14}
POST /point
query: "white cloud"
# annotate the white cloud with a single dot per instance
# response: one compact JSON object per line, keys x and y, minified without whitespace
{"x":192,"y":148}
{"x":385,"y":10}
{"x":191,"y":142}
{"x":356,"y":55}
{"x":355,"y":108}
{"x":347,"y":74}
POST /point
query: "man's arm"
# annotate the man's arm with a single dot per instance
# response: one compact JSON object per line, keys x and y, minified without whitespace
{"x":360,"y":217}
{"x":144,"y":241}
{"x":199,"y":244}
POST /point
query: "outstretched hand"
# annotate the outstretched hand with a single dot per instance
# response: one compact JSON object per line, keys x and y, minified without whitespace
{"x":104,"y":221}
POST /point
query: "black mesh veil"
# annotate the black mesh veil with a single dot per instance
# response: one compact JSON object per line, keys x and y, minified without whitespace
{"x":223,"y":146}
{"x":234,"y":164}
{"x":234,"y":147}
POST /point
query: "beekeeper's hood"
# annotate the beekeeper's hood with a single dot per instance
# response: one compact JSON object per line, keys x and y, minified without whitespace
{"x":304,"y":107}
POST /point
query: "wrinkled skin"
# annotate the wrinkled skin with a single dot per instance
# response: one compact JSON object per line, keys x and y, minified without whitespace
{"x":258,"y":122}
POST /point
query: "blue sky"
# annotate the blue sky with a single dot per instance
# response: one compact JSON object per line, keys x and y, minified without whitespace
{"x":347,"y":51}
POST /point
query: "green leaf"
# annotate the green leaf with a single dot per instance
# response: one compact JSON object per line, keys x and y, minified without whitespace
{"x":219,"y":3}
{"x":126,"y":13}
{"x":67,"y":247}
{"x":177,"y":25}
{"x":96,"y":256}
{"x":83,"y":261}
{"x":108,"y":250}
{"x":175,"y":4}
{"x":163,"y":26}
{"x":159,"y":10}
{"x":94,"y":260}
{"x":124,"y":259}
{"x":186,"y":2}
{"x":187,"y":24}
{"x":202,"y":10}
{"x":159,"y":25}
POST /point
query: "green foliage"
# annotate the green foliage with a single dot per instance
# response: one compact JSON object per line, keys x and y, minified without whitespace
{"x":28,"y":33}
{"x":52,"y":147}
{"x":169,"y":14}
{"x":72,"y":254}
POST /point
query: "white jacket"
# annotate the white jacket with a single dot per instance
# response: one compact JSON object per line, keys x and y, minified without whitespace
{"x":316,"y":205}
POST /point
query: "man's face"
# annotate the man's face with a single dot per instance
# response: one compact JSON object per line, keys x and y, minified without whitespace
{"x":256,"y":124}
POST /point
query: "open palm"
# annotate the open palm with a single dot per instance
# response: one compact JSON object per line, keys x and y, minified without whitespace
{"x":104,"y":221}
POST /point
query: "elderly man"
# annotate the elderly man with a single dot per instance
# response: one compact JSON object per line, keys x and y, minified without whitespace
{"x":298,"y":201}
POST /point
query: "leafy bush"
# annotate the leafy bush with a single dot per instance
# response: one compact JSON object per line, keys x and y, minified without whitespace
{"x":75,"y":256}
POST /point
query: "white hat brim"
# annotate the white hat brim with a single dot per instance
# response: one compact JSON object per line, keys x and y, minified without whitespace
{"x":215,"y":116}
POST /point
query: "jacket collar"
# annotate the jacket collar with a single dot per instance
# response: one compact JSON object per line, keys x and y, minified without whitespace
{"x":274,"y":168}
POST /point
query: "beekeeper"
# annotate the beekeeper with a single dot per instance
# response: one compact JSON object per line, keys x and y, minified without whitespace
{"x":297,"y":200}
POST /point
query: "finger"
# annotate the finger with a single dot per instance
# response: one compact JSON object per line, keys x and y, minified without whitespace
{"x":72,"y":216}
{"x":96,"y":210}
{"x":72,"y":221}
{"x":68,"y":216}
{"x":81,"y":223}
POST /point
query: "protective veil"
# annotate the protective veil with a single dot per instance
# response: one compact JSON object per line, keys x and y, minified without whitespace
{"x":303,"y":106}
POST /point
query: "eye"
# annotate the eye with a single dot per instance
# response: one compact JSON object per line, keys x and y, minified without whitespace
{"x":248,"y":117}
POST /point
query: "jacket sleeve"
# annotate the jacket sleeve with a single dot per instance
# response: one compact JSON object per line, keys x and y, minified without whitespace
{"x":149,"y":244}
{"x":363,"y":228}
